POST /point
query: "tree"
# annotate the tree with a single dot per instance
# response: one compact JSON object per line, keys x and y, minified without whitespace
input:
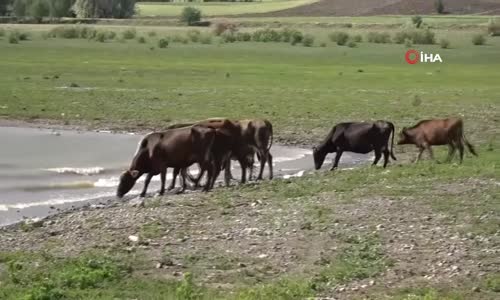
{"x":38,"y":9}
{"x":3,"y":6}
{"x":190,"y":15}
{"x":104,"y":8}
{"x":439,"y":6}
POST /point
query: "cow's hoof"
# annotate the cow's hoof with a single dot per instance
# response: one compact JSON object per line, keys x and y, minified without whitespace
{"x":142,"y":195}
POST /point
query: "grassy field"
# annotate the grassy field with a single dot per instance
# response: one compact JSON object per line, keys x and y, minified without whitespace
{"x":217,"y":8}
{"x":427,"y":231}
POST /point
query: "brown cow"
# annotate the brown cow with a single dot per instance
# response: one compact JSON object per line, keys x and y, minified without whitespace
{"x":437,"y":132}
{"x":175,"y":148}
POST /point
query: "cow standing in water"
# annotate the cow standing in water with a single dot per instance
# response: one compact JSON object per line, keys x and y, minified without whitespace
{"x":358,"y":137}
{"x":174,"y":148}
{"x":437,"y":132}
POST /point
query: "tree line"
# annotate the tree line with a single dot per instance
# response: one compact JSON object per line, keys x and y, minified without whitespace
{"x":68,"y":8}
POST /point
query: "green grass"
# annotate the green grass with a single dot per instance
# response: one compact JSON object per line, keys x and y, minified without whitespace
{"x":217,"y":8}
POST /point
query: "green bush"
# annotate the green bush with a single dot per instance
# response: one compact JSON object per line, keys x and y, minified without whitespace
{"x":228,"y":37}
{"x":444,"y":43}
{"x":110,"y":35}
{"x":129,"y":34}
{"x":243,"y":36}
{"x":439,"y":6}
{"x":65,"y":32}
{"x":493,"y":28}
{"x":101,"y":36}
{"x":194,"y":35}
{"x":422,"y":37}
{"x":190,"y":15}
{"x":180,"y":39}
{"x":339,"y":37}
{"x":378,"y":37}
{"x":266,"y":35}
{"x":206,"y":38}
{"x":408,"y":43}
{"x":358,"y":38}
{"x":221,"y":27}
{"x":141,"y":40}
{"x":87,"y":32}
{"x":417,"y":21}
{"x":13,"y":38}
{"x":352,"y":44}
{"x":478,"y":39}
{"x":163,"y":43}
{"x":308,"y":40}
{"x":152,"y":33}
{"x":2,"y":32}
{"x":322,"y":45}
{"x":296,"y":37}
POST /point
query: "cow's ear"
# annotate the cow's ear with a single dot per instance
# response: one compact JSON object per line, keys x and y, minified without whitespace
{"x":134,"y":173}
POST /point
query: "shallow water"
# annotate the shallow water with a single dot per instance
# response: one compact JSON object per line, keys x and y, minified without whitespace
{"x":42,"y":169}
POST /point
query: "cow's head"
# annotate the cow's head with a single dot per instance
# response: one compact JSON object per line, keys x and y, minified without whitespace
{"x":127,"y":181}
{"x":319,"y":157}
{"x":404,"y":137}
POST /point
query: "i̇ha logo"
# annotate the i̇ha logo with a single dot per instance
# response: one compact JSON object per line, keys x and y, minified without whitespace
{"x":413,"y":56}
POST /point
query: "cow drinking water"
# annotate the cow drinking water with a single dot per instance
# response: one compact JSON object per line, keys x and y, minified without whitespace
{"x":358,"y":137}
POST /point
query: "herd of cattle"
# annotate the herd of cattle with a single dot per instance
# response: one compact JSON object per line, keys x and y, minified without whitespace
{"x":213,"y":143}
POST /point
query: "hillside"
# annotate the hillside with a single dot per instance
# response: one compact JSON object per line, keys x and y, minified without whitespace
{"x":388,"y":7}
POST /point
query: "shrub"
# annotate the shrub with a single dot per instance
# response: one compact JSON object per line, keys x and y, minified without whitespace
{"x":228,"y":37}
{"x":296,"y":37}
{"x":87,"y":32}
{"x":352,"y":44}
{"x":194,"y":35}
{"x":13,"y":38}
{"x":152,"y":33}
{"x":190,"y":15}
{"x":358,"y":38}
{"x":110,"y":35}
{"x":2,"y":32}
{"x":493,"y":28}
{"x":180,"y":39}
{"x":129,"y":34}
{"x":221,"y":27}
{"x":243,"y":36}
{"x":266,"y":35}
{"x":417,"y":21}
{"x":65,"y":32}
{"x":308,"y":40}
{"x":444,"y":43}
{"x":424,"y":37}
{"x":478,"y":39}
{"x":206,"y":39}
{"x":141,"y":40}
{"x":101,"y":36}
{"x":339,"y":37}
{"x":439,"y":6}
{"x":163,"y":43}
{"x":408,"y":43}
{"x":378,"y":37}
{"x":322,"y":45}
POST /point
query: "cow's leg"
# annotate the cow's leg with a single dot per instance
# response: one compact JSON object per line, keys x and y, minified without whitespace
{"x":216,"y":166}
{"x":461,"y":150}
{"x":336,"y":160}
{"x":451,"y":152}
{"x":431,"y":154}
{"x":146,"y":183}
{"x":184,"y":181}
{"x":378,"y":155}
{"x":270,"y":163}
{"x":163,"y":177}
{"x":262,"y":159}
{"x":227,"y":172}
{"x":421,"y":150}
{"x":386,"y":157}
{"x":174,"y":178}
{"x":243,"y":171}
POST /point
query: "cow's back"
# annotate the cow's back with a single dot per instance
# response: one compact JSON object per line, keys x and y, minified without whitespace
{"x":438,"y":131}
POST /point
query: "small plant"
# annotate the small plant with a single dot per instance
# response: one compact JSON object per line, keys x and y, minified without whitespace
{"x":323,"y":45}
{"x":339,"y":37}
{"x":422,"y":37}
{"x":352,"y":44}
{"x":408,"y":43}
{"x":378,"y":37}
{"x":190,"y":15}
{"x":444,"y":43}
{"x":13,"y":38}
{"x":228,"y":37}
{"x":358,"y":38}
{"x":110,"y":35}
{"x":308,"y":40}
{"x":152,"y":33}
{"x":243,"y":36}
{"x":141,"y":40}
{"x":417,"y":21}
{"x":2,"y":32}
{"x":194,"y":35}
{"x":101,"y":36}
{"x":129,"y":34}
{"x":296,"y":37}
{"x":206,"y":39}
{"x":162,"y":43}
{"x":478,"y":39}
{"x":221,"y":27}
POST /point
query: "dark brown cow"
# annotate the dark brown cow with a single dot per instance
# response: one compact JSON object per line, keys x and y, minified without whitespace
{"x":175,"y":148}
{"x":358,"y":137}
{"x":437,"y":132}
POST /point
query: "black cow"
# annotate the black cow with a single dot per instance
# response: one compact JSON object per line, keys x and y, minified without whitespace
{"x":358,"y":137}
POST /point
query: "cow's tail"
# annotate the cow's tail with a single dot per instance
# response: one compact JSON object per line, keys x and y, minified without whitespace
{"x":469,"y":145}
{"x":392,"y":140}
{"x":272,"y":135}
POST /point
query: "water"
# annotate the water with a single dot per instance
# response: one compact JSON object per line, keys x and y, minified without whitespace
{"x":42,"y":170}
